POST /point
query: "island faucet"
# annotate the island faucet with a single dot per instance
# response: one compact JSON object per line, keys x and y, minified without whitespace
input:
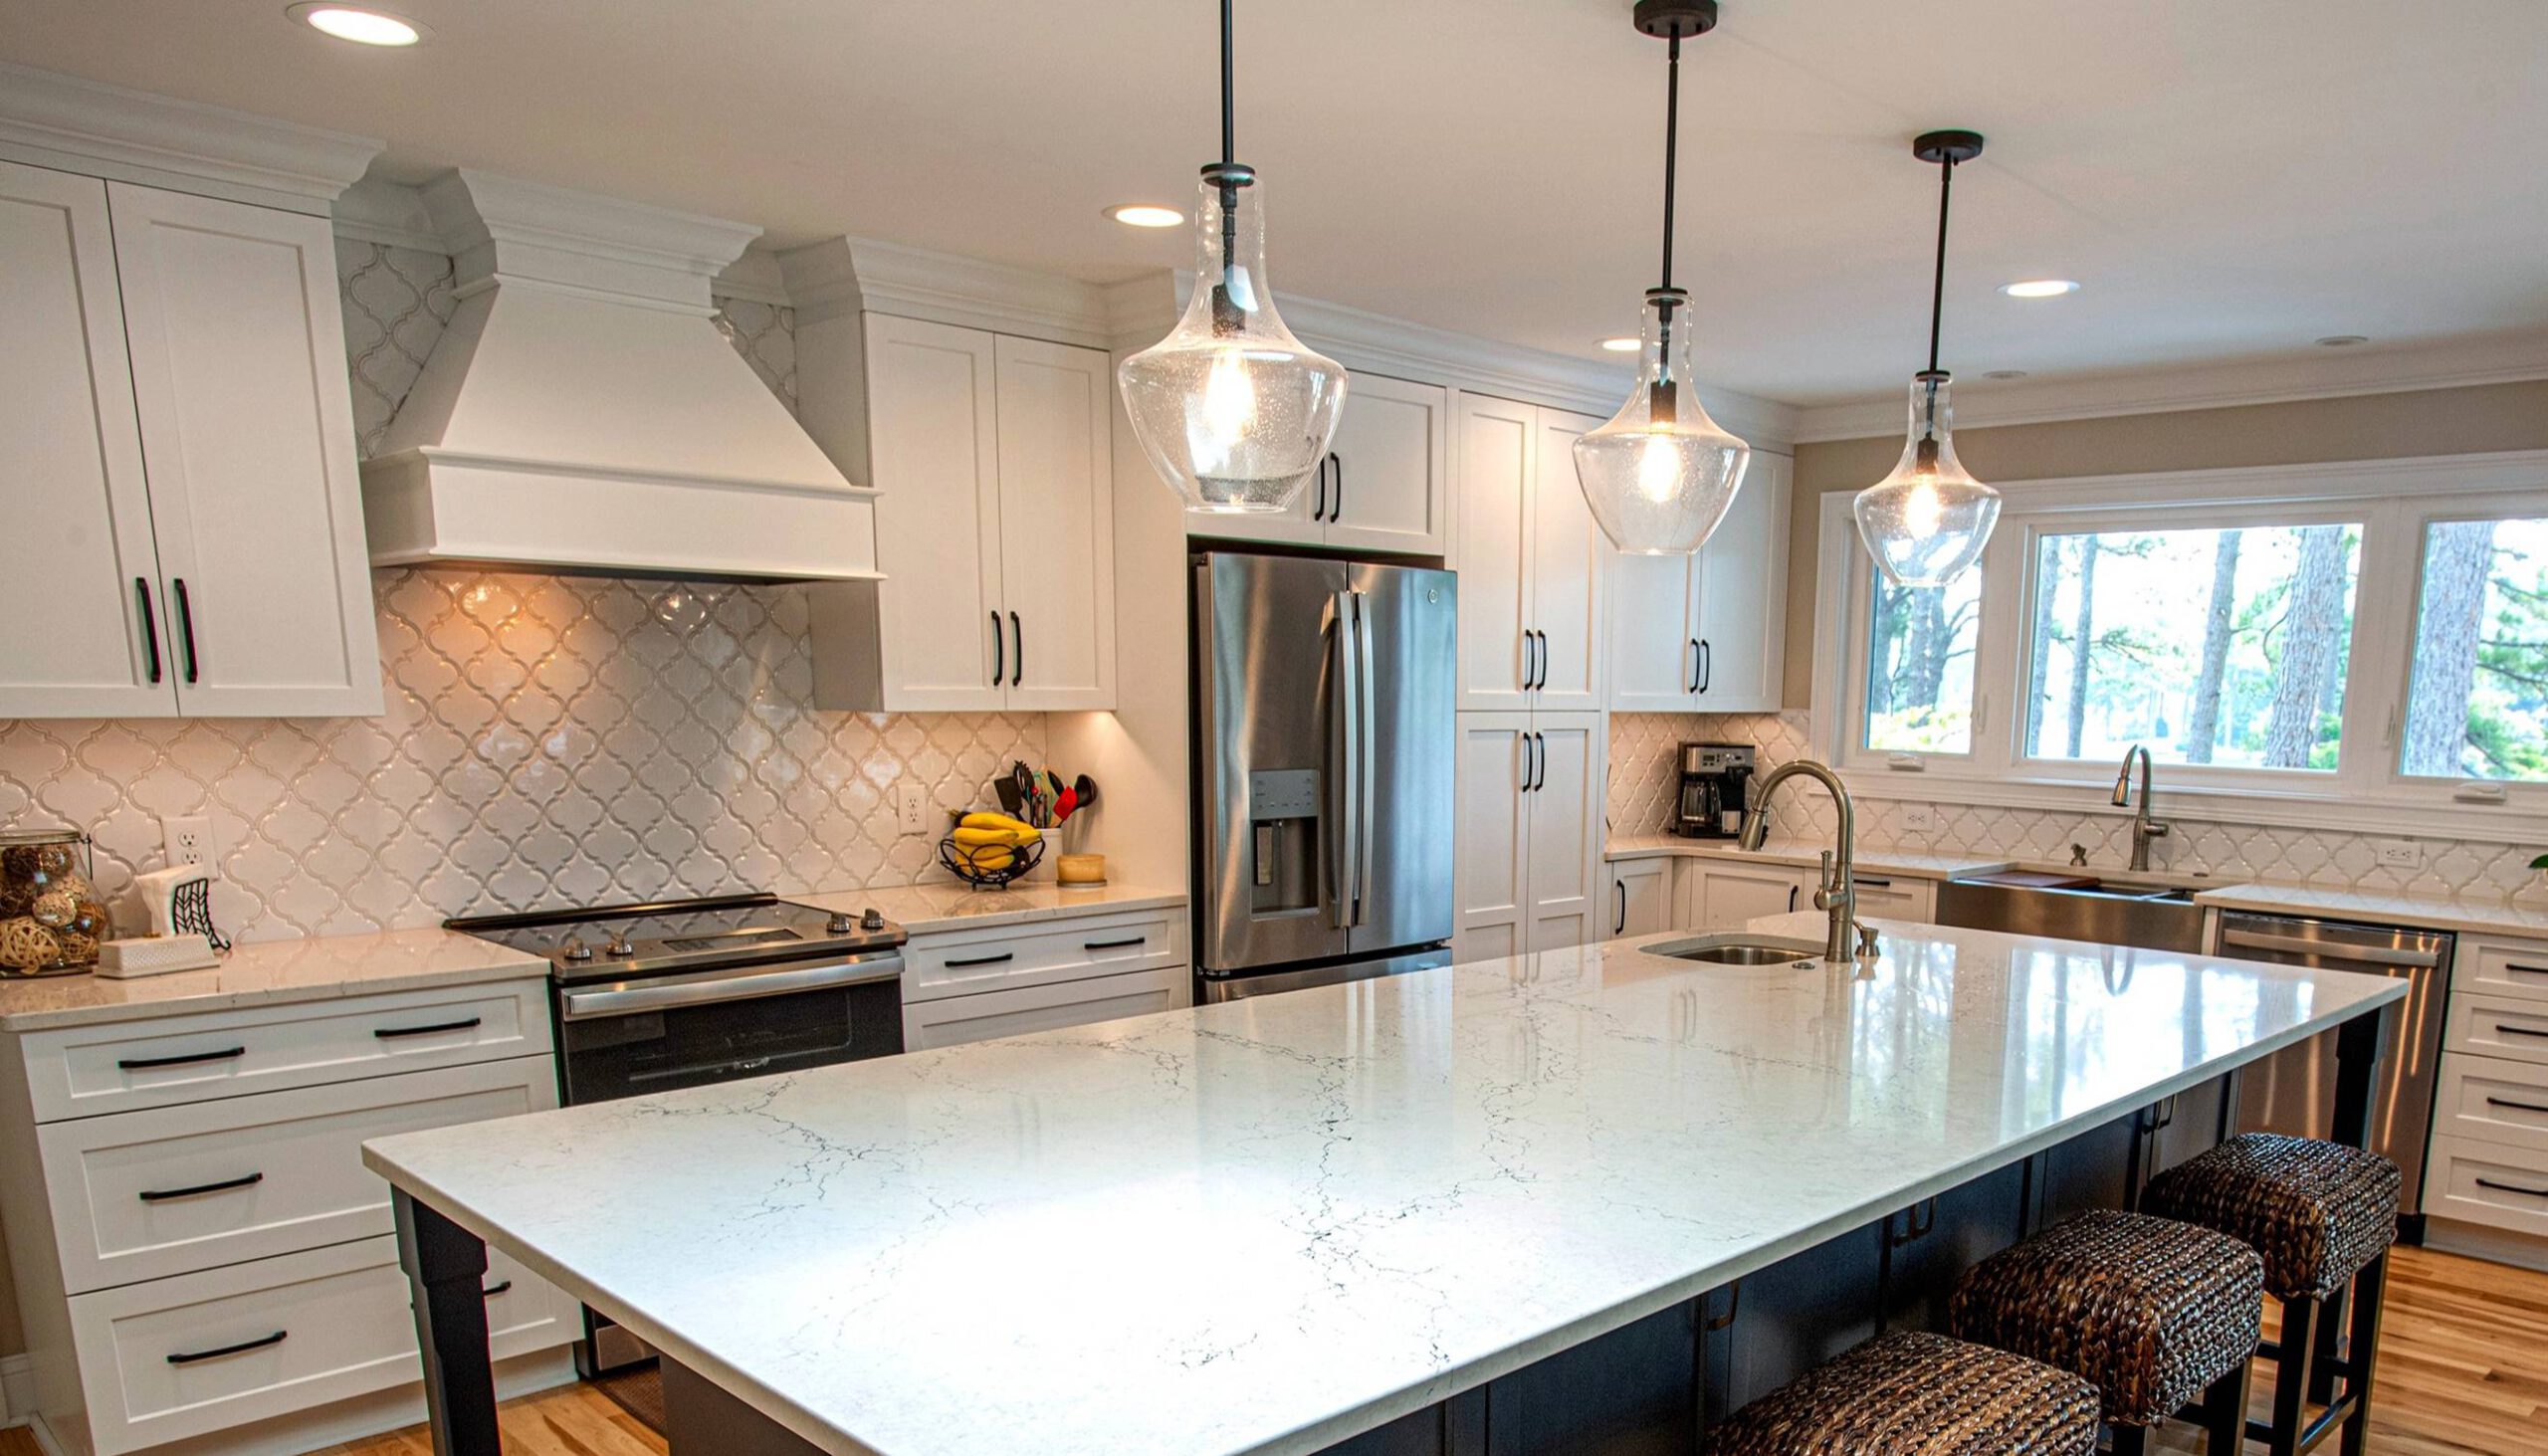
{"x":1839,"y":894}
{"x":2144,"y":828}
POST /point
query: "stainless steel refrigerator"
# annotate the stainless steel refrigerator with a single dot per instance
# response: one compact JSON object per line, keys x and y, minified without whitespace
{"x":1323,"y":756}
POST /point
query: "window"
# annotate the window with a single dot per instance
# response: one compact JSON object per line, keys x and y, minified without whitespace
{"x":2225,"y":646}
{"x":1920,"y":657}
{"x":2477,"y":704}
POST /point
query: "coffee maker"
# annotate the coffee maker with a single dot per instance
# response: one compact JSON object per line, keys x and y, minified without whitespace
{"x":1713,"y":779}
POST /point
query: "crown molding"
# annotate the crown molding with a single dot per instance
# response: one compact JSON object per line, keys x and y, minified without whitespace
{"x":504,"y":229}
{"x":394,"y":216}
{"x":757,"y":277}
{"x":2327,"y":374}
{"x":946,"y":288}
{"x":48,"y":120}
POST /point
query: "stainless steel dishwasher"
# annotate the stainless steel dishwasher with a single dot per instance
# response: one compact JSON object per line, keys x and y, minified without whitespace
{"x":2294,"y":1091}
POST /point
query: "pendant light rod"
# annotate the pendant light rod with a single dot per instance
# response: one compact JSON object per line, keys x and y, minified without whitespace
{"x":1671,"y":154}
{"x":1229,"y":93}
{"x":1945,"y":148}
{"x":1673,"y":21}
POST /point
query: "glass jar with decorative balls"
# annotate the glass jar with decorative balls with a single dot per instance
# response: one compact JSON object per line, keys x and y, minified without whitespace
{"x":51,"y":914}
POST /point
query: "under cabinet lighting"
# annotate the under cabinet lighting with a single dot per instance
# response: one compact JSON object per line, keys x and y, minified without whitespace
{"x":362,"y":27}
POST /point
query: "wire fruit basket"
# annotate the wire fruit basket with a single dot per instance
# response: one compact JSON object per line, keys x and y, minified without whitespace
{"x":989,"y":866}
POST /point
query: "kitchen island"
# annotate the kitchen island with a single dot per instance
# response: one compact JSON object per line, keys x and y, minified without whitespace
{"x":1356,"y":1216}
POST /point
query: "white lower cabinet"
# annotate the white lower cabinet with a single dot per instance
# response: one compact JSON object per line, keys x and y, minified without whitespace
{"x":2488,"y":1165}
{"x":1892,"y":897}
{"x":975,"y":985}
{"x":1528,"y":825}
{"x":1718,"y":896}
{"x":1641,"y":898}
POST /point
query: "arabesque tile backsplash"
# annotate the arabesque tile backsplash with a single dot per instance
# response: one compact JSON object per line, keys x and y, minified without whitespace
{"x":547,"y":740}
{"x":1642,"y":769}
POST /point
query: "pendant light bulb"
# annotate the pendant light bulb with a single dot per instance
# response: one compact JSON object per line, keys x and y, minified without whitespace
{"x":1234,"y":411}
{"x":1660,"y":475}
{"x":1927,"y":521}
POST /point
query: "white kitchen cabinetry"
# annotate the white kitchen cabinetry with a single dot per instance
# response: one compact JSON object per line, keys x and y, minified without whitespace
{"x":1706,"y":633}
{"x":1528,"y":822}
{"x":1531,"y":560}
{"x":1641,"y":898}
{"x":1718,"y":895}
{"x":196,"y":1243}
{"x":179,"y":424}
{"x":972,"y":985}
{"x":1892,"y":897}
{"x":1382,"y":488}
{"x":2488,"y":1166}
{"x":993,"y":457}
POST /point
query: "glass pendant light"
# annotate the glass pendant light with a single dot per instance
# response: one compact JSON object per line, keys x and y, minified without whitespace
{"x":1660,"y":475}
{"x":1927,"y":522}
{"x":1232,"y":410}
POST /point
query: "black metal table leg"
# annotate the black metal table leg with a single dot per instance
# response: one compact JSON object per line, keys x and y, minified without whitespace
{"x":446,"y":1269}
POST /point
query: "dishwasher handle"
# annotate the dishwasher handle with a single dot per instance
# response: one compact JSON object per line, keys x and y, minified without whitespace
{"x":2332,"y":950}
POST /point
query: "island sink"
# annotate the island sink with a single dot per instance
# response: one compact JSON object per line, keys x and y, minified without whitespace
{"x":1739,"y":951}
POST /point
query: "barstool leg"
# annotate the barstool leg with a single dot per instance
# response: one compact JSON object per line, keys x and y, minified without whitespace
{"x":2323,"y":1355}
{"x":2297,"y":1338}
{"x":2369,"y":1289}
{"x":2224,"y":1412}
{"x":2130,"y":1441}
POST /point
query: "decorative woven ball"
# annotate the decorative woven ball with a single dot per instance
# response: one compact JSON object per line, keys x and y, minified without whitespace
{"x":15,"y":895}
{"x":92,"y":921}
{"x":77,"y":948}
{"x":26,"y":945}
{"x":55,"y":909}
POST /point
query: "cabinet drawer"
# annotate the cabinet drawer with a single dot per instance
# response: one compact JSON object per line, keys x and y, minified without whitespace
{"x":2489,"y":1183}
{"x":2517,"y":969}
{"x":85,"y":1071}
{"x":967,"y":963}
{"x":1894,"y":898}
{"x":2488,"y":1100}
{"x":151,"y":1361}
{"x":956,"y":1019}
{"x":169,"y":1191}
{"x":2498,"y":1026}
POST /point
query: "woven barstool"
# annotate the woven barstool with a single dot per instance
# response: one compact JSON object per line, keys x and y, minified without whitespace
{"x":2149,"y":1311}
{"x":1918,"y":1394}
{"x":2322,"y":1215}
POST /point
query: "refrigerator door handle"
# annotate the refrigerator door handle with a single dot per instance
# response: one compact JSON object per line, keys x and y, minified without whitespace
{"x":1365,"y":735}
{"x":1344,"y":872}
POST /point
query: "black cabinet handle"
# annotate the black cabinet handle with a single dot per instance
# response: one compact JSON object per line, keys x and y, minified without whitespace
{"x":1792,"y":889}
{"x":1336,"y":510}
{"x":1017,"y":672}
{"x":187,"y":1059}
{"x":1872,"y":880}
{"x":1114,"y":945}
{"x":999,"y":651}
{"x":2519,"y":968}
{"x":242,"y":1347}
{"x":1523,"y":741}
{"x":494,"y":1289}
{"x":390,"y":1033}
{"x":982,"y":960}
{"x":186,"y":627}
{"x":1541,"y":783}
{"x":163,"y":1195}
{"x":1317,"y":512}
{"x":2526,"y":1107}
{"x":149,"y":625}
{"x":2504,"y":1030}
{"x":1707,"y":664}
{"x":1693,"y":685}
{"x":2512,"y":1189}
{"x":1619,"y":924}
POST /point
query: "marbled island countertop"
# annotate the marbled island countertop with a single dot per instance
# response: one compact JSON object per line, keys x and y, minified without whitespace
{"x":1265,"y":1225}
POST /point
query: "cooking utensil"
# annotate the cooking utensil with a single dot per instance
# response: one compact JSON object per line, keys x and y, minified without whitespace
{"x":1087,"y":789}
{"x":1010,"y":801}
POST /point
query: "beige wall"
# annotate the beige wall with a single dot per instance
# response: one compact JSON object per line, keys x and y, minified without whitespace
{"x":2472,"y":420}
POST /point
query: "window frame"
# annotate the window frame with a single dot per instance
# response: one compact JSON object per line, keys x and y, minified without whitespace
{"x":2394,"y":501}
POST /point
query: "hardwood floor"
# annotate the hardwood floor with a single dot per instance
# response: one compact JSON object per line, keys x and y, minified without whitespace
{"x":2464,"y":1369}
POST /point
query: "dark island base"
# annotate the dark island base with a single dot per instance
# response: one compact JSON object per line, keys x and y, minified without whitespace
{"x":1649,"y":1388}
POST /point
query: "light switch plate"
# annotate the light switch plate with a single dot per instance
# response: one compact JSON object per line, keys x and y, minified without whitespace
{"x":186,"y":839}
{"x":911,"y":808}
{"x":2400,"y":854}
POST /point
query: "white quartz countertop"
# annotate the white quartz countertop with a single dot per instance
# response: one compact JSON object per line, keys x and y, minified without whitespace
{"x":269,"y":972}
{"x":1918,"y":864}
{"x":1265,"y":1225}
{"x":928,"y":909}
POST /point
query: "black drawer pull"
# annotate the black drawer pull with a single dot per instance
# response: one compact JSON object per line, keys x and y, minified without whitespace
{"x":2504,"y":1030}
{"x":163,"y":1195}
{"x":2515,"y":965}
{"x":145,"y":1064}
{"x":1115,"y":944}
{"x":494,"y":1289}
{"x":982,"y":960}
{"x":2527,"y":1107}
{"x":1872,"y":880}
{"x":242,"y":1347}
{"x":392,"y":1033}
{"x":2512,"y":1189}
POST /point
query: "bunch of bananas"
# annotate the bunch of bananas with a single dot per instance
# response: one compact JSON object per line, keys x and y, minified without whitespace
{"x":989,"y":842}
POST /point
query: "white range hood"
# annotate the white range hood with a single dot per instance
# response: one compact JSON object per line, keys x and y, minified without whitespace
{"x":582,"y":412}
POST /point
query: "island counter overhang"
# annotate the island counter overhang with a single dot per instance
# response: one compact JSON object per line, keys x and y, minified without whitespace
{"x":1270,"y":1225}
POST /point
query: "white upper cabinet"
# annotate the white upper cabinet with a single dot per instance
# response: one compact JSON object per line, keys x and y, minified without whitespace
{"x":994,"y":464}
{"x":1706,"y":633}
{"x":1383,"y":484}
{"x":1532,"y":562}
{"x":179,"y":422}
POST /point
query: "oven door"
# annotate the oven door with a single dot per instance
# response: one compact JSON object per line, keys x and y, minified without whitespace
{"x":628,"y":1038}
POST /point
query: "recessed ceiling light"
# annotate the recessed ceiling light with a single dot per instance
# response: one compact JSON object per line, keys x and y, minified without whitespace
{"x":362,"y":27}
{"x":2342,"y":341}
{"x":1146,"y":215}
{"x":2040,"y":287}
{"x":1623,"y":344}
{"x":2005,"y":375}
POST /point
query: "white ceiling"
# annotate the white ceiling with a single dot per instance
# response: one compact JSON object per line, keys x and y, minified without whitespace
{"x":2228,"y":177}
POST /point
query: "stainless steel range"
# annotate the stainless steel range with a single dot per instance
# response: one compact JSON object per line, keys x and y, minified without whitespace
{"x":653,"y":998}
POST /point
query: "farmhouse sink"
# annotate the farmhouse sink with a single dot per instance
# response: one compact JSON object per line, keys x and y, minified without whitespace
{"x":2117,"y":911}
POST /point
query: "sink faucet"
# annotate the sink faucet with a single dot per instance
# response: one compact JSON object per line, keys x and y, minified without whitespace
{"x":2144,"y":828}
{"x":1839,"y":894}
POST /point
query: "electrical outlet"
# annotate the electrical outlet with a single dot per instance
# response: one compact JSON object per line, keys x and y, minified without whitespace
{"x":186,"y":840}
{"x":2400,"y":854}
{"x":1919,"y":819}
{"x":911,"y":808}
